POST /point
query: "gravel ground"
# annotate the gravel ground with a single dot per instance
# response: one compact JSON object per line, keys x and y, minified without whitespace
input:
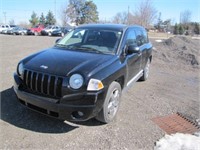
{"x":170,"y":89}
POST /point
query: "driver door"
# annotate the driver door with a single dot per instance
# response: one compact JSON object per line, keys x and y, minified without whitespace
{"x":134,"y":59}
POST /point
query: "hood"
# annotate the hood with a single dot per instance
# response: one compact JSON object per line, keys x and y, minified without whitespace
{"x":65,"y":62}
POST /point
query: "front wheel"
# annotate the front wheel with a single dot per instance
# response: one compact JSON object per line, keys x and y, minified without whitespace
{"x":111,"y":103}
{"x":146,"y":71}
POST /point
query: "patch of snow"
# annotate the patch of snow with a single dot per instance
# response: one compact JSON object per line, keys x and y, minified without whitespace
{"x":198,"y":122}
{"x":158,"y":41}
{"x":179,"y":141}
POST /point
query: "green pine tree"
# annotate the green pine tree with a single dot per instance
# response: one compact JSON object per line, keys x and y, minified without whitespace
{"x":197,"y":28}
{"x":50,"y":20}
{"x":176,"y":31}
{"x":81,"y":11}
{"x":181,"y":29}
{"x":42,"y":19}
{"x":34,"y":19}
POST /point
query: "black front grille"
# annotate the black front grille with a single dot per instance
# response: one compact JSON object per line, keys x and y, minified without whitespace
{"x":42,"y":83}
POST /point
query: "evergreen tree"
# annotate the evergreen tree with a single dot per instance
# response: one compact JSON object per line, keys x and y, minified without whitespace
{"x":42,"y":19}
{"x":181,"y":29}
{"x":34,"y":19}
{"x":196,"y":28}
{"x":176,"y":30}
{"x":90,"y":14}
{"x":82,"y":11}
{"x":50,"y":20}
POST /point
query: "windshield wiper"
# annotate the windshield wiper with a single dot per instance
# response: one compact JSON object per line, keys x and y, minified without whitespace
{"x":60,"y":45}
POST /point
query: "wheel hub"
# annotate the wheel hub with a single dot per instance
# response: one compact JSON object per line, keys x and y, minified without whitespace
{"x":113,"y":103}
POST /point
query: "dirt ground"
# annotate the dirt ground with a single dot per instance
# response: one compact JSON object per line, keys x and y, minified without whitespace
{"x":173,"y":86}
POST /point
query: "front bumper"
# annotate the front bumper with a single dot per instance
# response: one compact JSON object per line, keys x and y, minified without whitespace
{"x":73,"y":107}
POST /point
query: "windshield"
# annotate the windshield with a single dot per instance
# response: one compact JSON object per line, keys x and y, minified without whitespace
{"x":92,"y":40}
{"x":48,"y":27}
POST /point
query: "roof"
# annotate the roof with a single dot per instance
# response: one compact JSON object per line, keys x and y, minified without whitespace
{"x":118,"y":27}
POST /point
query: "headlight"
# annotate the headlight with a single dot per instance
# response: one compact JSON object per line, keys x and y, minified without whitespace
{"x":76,"y":81}
{"x":20,"y":69}
{"x":95,"y":85}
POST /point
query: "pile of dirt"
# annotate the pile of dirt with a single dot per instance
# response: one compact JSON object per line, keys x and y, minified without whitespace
{"x":179,"y":50}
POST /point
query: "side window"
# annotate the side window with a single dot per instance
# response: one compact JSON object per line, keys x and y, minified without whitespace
{"x":141,"y":37}
{"x":131,"y":38}
{"x":144,"y":33}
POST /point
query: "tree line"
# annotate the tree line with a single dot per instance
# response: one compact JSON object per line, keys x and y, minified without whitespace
{"x":145,"y":14}
{"x":48,"y":20}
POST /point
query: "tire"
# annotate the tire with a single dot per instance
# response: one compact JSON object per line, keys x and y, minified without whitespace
{"x":111,"y":103}
{"x":146,"y":71}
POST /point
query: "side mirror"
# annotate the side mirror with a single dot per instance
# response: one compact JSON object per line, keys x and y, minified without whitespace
{"x":133,"y":49}
{"x":57,"y":40}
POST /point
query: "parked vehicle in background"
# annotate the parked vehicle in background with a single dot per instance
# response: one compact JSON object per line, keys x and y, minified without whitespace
{"x":7,"y":28}
{"x":61,"y":32}
{"x":11,"y":30}
{"x":3,"y":27}
{"x":20,"y":31}
{"x":49,"y":29}
{"x":36,"y":30}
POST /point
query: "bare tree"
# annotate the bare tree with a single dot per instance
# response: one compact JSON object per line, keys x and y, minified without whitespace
{"x":121,"y":18}
{"x":185,"y":17}
{"x":145,"y":14}
{"x":63,"y":16}
{"x":24,"y":24}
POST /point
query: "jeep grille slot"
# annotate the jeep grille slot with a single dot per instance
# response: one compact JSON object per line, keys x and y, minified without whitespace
{"x":44,"y":84}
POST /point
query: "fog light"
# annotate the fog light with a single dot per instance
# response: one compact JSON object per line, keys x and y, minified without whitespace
{"x":77,"y":114}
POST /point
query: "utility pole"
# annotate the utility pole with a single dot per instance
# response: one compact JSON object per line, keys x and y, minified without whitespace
{"x":4,"y":16}
{"x":128,"y":16}
{"x":55,"y":8}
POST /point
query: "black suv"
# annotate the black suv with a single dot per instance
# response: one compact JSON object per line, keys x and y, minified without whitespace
{"x":83,"y":75}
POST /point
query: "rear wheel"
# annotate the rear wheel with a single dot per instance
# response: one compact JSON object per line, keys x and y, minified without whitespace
{"x":146,"y":71}
{"x":111,"y":103}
